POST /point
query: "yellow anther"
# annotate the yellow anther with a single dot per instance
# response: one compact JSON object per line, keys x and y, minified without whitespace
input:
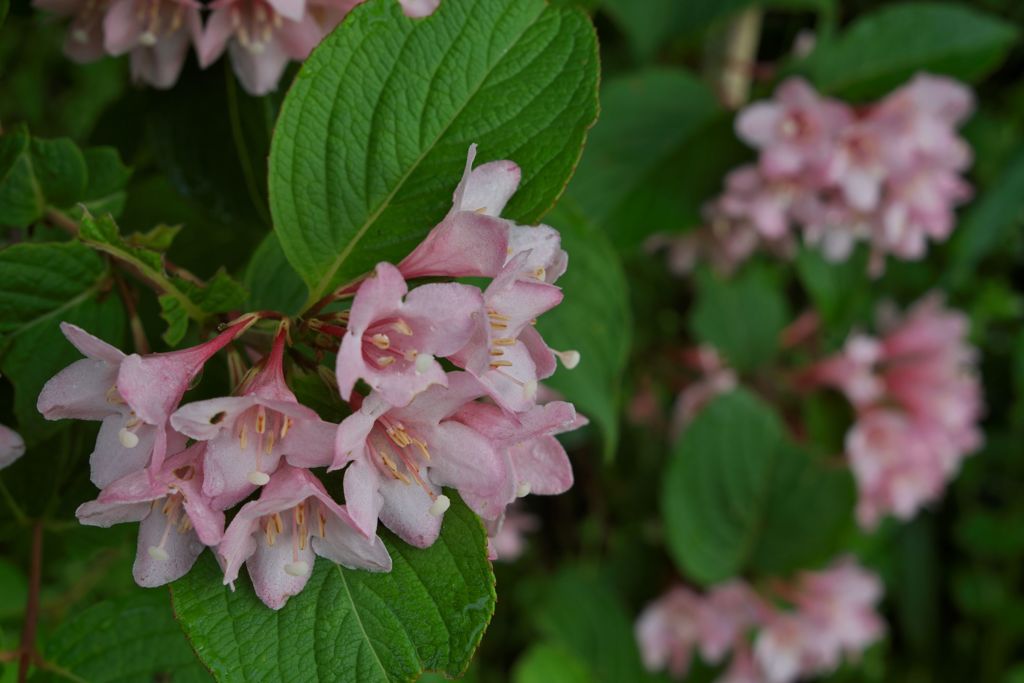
{"x":402,"y":327}
{"x":501,"y":364}
{"x":381,"y":341}
{"x":261,"y":420}
{"x":385,"y":361}
{"x":243,"y":436}
{"x":494,"y":315}
{"x":286,"y":426}
{"x":504,"y":341}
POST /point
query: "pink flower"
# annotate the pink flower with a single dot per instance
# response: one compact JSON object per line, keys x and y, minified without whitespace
{"x":393,"y":338}
{"x":506,"y":353}
{"x":794,"y":130}
{"x":247,"y":435}
{"x":782,"y":648}
{"x":261,"y":36}
{"x":919,"y":404}
{"x":157,"y":33}
{"x":717,"y":379}
{"x":278,"y":536}
{"x":471,"y":241}
{"x":534,"y":461}
{"x":399,"y":458}
{"x":84,"y":40}
{"x":177,"y":520}
{"x":667,"y":631}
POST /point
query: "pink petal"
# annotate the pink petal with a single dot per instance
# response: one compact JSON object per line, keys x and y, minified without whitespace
{"x":437,"y":403}
{"x":310,"y":443}
{"x":540,"y":353}
{"x":111,"y":460}
{"x":464,"y":460}
{"x":215,"y":36}
{"x":489,"y":187}
{"x":758,"y":124}
{"x":543,"y":466}
{"x":121,"y":28}
{"x":289,"y":9}
{"x":266,"y":568}
{"x":182,"y":549}
{"x":350,"y":364}
{"x":160,"y":65}
{"x":443,"y":316}
{"x":80,"y":392}
{"x":546,"y":257}
{"x":258,"y":73}
{"x":204,"y":420}
{"x":345,"y":546}
{"x":379,"y":296}
{"x":464,"y":244}
{"x":350,"y":441}
{"x":419,"y":8}
{"x":228,"y":468}
{"x":12,"y":446}
{"x":298,"y":38}
{"x":90,"y":346}
{"x":362,"y":499}
{"x":406,"y":511}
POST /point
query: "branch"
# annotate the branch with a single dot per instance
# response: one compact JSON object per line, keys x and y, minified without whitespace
{"x":28,"y":633}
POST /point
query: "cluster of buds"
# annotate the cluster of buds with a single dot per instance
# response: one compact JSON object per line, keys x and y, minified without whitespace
{"x":888,"y":174}
{"x":260,"y":35}
{"x":918,"y":403}
{"x":790,"y":630}
{"x":451,"y":399}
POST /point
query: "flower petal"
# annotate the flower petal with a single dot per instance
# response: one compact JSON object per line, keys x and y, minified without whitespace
{"x":79,"y":392}
{"x":90,"y":346}
{"x":112,"y":459}
{"x":12,"y":446}
{"x":464,"y":459}
{"x":347,"y":547}
{"x":406,"y":511}
{"x":362,"y":499}
{"x":180,"y":551}
{"x":542,"y":465}
{"x":464,"y":244}
{"x":489,"y":187}
{"x":273,"y":583}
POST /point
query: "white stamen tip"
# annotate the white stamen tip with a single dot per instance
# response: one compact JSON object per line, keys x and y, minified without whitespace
{"x":299,"y":568}
{"x":423,"y":362}
{"x":158,"y":553}
{"x":80,"y":35}
{"x":128,"y":438}
{"x":147,"y":39}
{"x":257,"y":478}
{"x":530,"y":390}
{"x":570,"y":359}
{"x":441,"y":504}
{"x":523,"y":489}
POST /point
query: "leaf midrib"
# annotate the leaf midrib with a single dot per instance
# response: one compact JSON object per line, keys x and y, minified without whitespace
{"x":317,"y":292}
{"x":359,"y":620}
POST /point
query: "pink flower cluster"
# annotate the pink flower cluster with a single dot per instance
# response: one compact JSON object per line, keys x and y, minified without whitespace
{"x":480,"y":429}
{"x":804,"y":627}
{"x":918,"y":402}
{"x":260,"y":35}
{"x":888,"y":174}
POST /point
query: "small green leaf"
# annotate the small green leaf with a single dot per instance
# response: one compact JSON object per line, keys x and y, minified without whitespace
{"x":176,"y":318}
{"x":594,"y":318}
{"x":21,"y":196}
{"x":741,"y":317}
{"x":131,"y":640}
{"x":429,"y":613}
{"x":881,"y":50}
{"x":738,"y":497}
{"x":373,"y":134}
{"x":60,"y":169}
{"x":104,"y":192}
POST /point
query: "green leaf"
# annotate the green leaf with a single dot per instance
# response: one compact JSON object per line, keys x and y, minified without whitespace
{"x":130,"y":640}
{"x":60,"y":169}
{"x":739,"y":497}
{"x":5,"y":7}
{"x":272,"y":283}
{"x":646,"y":119}
{"x":742,"y":317}
{"x":39,"y":281}
{"x":373,"y":134}
{"x":545,"y":663}
{"x":21,"y":197}
{"x":581,"y":613}
{"x":881,"y":50}
{"x":594,"y":318}
{"x":429,"y":613}
{"x":987,"y":224}
{"x":841,"y":292}
{"x":108,"y":176}
{"x":647,"y":25}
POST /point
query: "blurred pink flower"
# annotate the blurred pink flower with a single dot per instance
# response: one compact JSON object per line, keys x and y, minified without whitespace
{"x":84,"y":40}
{"x":157,"y":34}
{"x":12,"y":446}
{"x":506,"y":536}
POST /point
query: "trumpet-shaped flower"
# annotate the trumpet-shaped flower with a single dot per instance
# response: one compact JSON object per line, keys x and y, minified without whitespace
{"x":278,"y":536}
{"x":394,"y":334}
{"x":399,"y":458}
{"x":84,"y":40}
{"x":157,"y":34}
{"x":177,"y":520}
{"x":247,"y":435}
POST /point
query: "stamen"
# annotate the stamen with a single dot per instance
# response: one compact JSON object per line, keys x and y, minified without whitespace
{"x":504,"y":341}
{"x":149,"y":40}
{"x":257,"y":478}
{"x":424,"y":362}
{"x":128,"y":438}
{"x":286,"y":426}
{"x":402,"y":327}
{"x":385,"y":361}
{"x":381,"y":341}
{"x":158,"y":553}
{"x":570,"y":359}
{"x":440,"y":505}
{"x":261,"y":420}
{"x":298,"y":568}
{"x":243,"y":436}
{"x":494,"y":315}
{"x":500,"y":364}
{"x":497,"y":352}
{"x":540,"y":273}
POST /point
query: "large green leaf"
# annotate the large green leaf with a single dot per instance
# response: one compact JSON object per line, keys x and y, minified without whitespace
{"x":647,"y":119}
{"x":373,"y":134}
{"x":739,"y":497}
{"x":881,"y":50}
{"x":545,"y":663}
{"x":429,"y":613}
{"x":741,"y":317}
{"x":594,"y":318}
{"x":272,"y":283}
{"x":130,"y":640}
